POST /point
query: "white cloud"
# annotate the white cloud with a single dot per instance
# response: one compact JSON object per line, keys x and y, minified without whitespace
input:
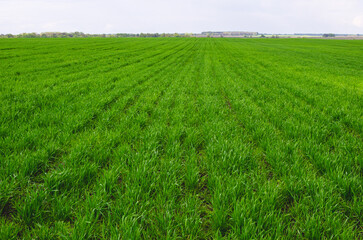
{"x":358,"y":21}
{"x":109,"y":27}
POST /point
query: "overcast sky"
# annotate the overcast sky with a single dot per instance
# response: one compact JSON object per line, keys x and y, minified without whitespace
{"x":135,"y":16}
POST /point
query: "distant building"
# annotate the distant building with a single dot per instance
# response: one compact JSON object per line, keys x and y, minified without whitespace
{"x":229,"y":34}
{"x":308,"y":34}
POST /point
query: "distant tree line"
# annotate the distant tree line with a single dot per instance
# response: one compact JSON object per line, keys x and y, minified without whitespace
{"x":135,"y":35}
{"x":87,"y":35}
{"x":328,"y":35}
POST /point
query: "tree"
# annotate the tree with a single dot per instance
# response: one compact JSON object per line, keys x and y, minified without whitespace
{"x":328,"y":35}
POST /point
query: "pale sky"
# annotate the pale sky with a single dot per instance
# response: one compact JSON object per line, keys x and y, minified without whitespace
{"x":192,"y":16}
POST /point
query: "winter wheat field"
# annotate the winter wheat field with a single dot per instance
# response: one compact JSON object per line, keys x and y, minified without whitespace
{"x":181,"y":138}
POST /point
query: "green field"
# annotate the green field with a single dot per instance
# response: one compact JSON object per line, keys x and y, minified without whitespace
{"x":181,"y":138}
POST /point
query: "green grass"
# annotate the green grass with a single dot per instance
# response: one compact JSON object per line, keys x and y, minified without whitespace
{"x":181,"y":139}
